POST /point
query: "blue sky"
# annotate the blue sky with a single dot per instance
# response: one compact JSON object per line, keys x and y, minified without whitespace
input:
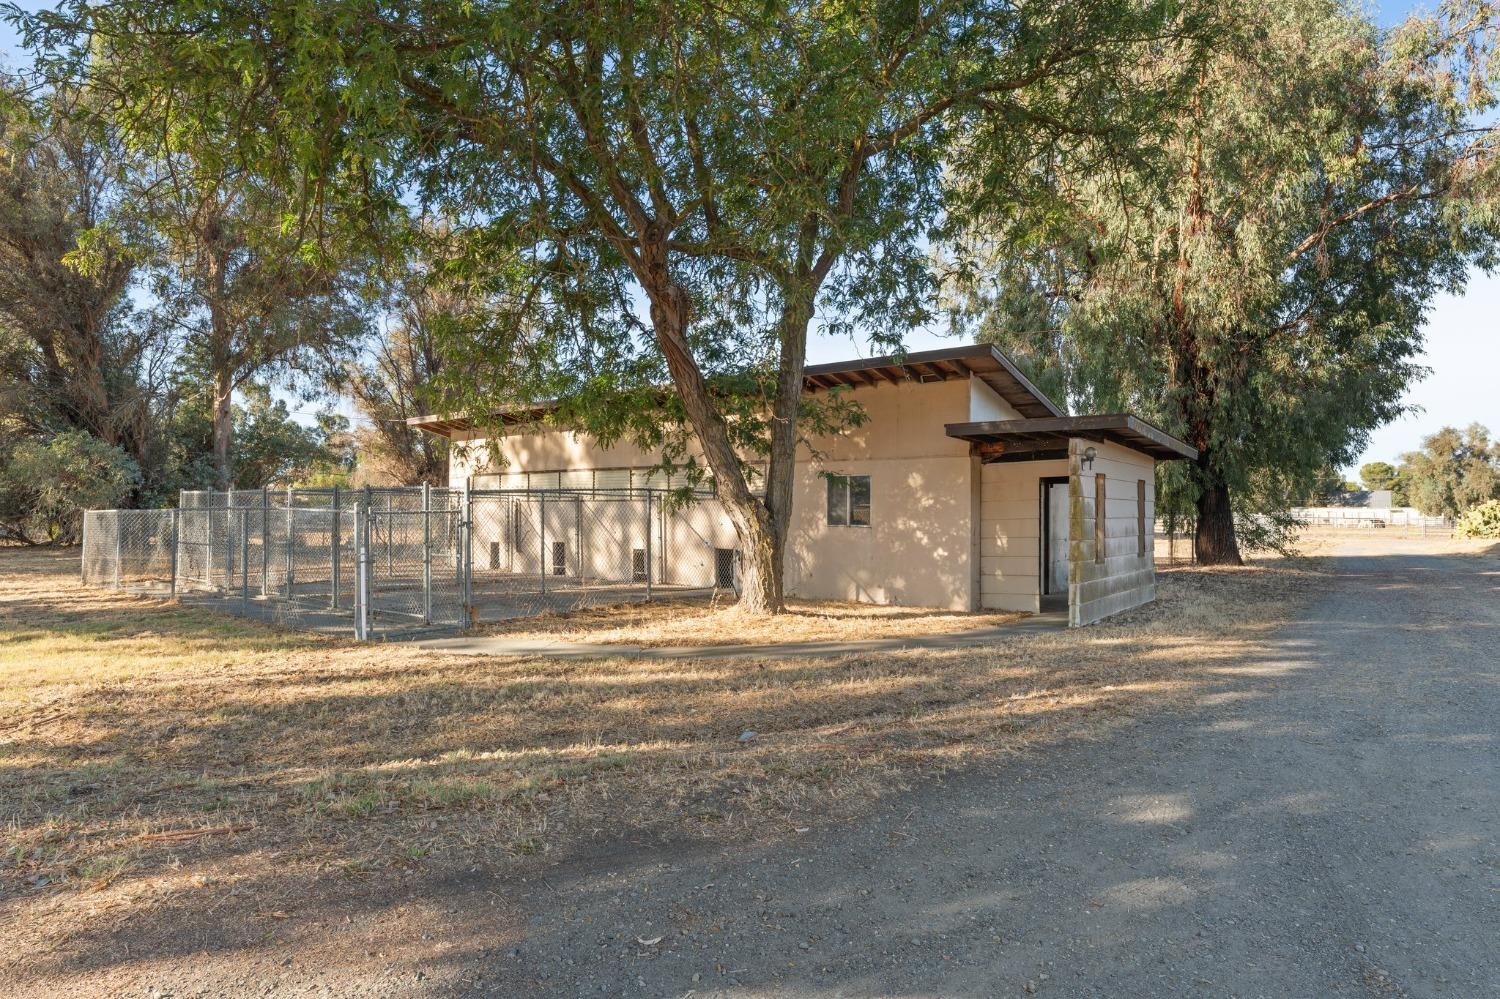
{"x":1462,"y":350}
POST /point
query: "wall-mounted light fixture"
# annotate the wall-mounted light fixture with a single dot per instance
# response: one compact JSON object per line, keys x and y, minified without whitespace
{"x":1089,"y":454}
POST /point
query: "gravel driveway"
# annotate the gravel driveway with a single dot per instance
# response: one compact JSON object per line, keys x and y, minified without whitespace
{"x":1323,"y":823}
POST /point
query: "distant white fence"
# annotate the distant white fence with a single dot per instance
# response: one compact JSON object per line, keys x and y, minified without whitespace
{"x":1376,"y":518}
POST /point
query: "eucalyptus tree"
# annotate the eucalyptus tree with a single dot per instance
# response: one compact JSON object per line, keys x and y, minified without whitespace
{"x":661,"y":199}
{"x":1259,"y":284}
{"x":244,"y":275}
{"x":248,"y":301}
{"x":398,"y":379}
{"x":72,"y":358}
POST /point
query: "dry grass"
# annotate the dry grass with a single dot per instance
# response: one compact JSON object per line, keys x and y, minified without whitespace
{"x":151,"y":752}
{"x":707,"y":622}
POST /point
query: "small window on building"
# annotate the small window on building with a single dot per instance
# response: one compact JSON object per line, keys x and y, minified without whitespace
{"x":638,"y":565}
{"x":559,"y":558}
{"x":849,"y":500}
{"x":1140,"y":516}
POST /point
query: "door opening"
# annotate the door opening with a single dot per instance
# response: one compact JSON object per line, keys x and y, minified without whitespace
{"x":1054,"y":516}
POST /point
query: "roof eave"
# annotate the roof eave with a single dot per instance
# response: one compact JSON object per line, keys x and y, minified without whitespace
{"x":1124,"y":429}
{"x":943,"y":362}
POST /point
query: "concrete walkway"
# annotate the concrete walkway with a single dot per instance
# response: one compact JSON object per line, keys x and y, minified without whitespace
{"x":502,"y":645}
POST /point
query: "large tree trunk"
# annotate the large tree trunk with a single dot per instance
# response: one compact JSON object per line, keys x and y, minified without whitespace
{"x":221,"y":355}
{"x":1215,"y":542}
{"x":762,"y":543}
{"x":223,"y":429}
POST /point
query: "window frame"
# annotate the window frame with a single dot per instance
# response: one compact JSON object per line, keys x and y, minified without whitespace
{"x":843,"y":486}
{"x":1140,"y":517}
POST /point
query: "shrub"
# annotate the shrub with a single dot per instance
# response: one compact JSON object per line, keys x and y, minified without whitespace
{"x":46,"y":485}
{"x":1482,"y":521}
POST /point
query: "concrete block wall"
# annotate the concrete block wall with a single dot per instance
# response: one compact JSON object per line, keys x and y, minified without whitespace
{"x":1124,"y":577}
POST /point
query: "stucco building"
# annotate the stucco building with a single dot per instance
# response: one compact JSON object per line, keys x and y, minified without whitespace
{"x":964,"y":488}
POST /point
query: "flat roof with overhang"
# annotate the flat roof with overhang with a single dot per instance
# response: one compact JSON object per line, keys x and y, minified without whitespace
{"x":982,"y":361}
{"x":1047,"y":437}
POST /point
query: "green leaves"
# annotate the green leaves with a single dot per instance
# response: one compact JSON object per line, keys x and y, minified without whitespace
{"x":1257,"y":279}
{"x":1454,"y":470}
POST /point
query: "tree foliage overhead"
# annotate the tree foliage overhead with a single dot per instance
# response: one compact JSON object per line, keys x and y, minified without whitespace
{"x":247,"y":303}
{"x":651,"y":193}
{"x":1259,"y":284}
{"x":253,"y":279}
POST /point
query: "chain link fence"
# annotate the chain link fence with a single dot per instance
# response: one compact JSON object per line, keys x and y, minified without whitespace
{"x":553,"y":551}
{"x":382,"y":562}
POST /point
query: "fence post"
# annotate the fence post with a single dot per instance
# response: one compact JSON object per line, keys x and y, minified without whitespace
{"x":426,"y":553}
{"x":334,"y":547}
{"x":369,"y":516}
{"x":542,"y":534}
{"x":119,"y":546}
{"x":265,"y":541}
{"x":208,"y":548}
{"x":361,"y":574}
{"x":648,"y":546}
{"x":245,"y":559}
{"x":289,"y":562}
{"x":83,"y":540}
{"x":176,"y":533}
{"x":390,"y":537}
{"x":228,"y":543}
{"x":466,"y":549}
{"x":578,"y":538}
{"x":371,"y":532}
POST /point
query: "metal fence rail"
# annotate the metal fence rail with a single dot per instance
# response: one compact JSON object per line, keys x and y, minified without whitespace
{"x":376,"y":562}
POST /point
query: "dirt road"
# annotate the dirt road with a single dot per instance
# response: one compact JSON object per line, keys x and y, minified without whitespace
{"x":1324,"y":822}
{"x":1320,"y":819}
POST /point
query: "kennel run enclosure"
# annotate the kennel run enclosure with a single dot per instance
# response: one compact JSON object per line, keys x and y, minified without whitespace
{"x":380,"y":562}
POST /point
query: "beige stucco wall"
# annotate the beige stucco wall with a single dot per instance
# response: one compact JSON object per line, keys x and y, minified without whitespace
{"x":985,"y":404}
{"x":517,"y":534}
{"x":945,"y":530}
{"x":1125,"y":578}
{"x":1010,"y":525}
{"x":918,"y":549}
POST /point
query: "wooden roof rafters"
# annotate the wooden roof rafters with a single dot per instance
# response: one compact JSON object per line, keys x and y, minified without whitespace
{"x":982,"y":361}
{"x":995,"y":440}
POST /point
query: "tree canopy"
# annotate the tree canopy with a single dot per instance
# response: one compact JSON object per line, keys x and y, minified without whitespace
{"x":71,"y":356}
{"x":103,"y":333}
{"x":648,"y":195}
{"x":1454,"y":471}
{"x":1259,"y":283}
